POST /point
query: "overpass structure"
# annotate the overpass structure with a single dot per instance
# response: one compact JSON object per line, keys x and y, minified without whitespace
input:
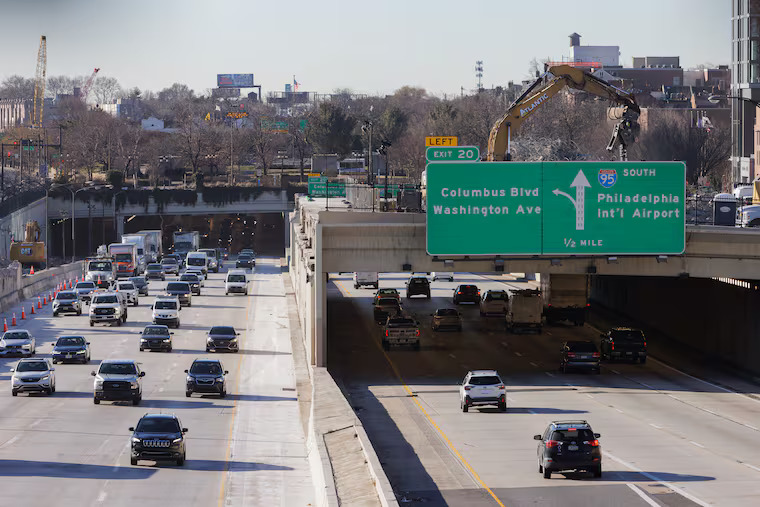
{"x":343,"y":240}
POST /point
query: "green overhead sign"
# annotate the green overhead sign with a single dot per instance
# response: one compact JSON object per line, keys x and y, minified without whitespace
{"x":452,"y":153}
{"x":320,"y":187}
{"x":555,"y":208}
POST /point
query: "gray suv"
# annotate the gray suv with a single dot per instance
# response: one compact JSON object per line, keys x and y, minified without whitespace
{"x":67,"y":301}
{"x":18,"y":341}
{"x":33,"y":375}
{"x":118,"y":380}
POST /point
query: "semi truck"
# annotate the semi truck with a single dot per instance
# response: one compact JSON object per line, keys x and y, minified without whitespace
{"x":565,"y":298}
{"x":141,"y":241}
{"x":154,"y":245}
{"x":125,"y":257}
{"x":186,"y":242}
{"x":524,"y":311}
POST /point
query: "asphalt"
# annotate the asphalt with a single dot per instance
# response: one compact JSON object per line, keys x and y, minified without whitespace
{"x":668,"y":438}
{"x":247,"y":449}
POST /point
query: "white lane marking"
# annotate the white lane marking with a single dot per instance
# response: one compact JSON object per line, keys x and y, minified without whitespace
{"x":549,"y":333}
{"x":35,"y":423}
{"x":102,"y":497}
{"x":753,"y":467}
{"x":696,"y":443}
{"x":11,"y":441}
{"x":550,"y":374}
{"x":642,"y":495}
{"x":534,"y":364}
{"x":589,"y":395}
{"x":752,"y":427}
{"x":654,"y":477}
{"x":452,"y":356}
{"x":518,"y":354}
{"x":655,"y":426}
{"x":615,"y":371}
{"x":160,"y":389}
{"x":619,"y":410}
{"x":504,"y":344}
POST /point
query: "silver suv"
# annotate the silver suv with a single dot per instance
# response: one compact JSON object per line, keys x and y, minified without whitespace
{"x":17,"y":342}
{"x":482,"y":387}
{"x":67,"y":301}
{"x":33,"y":376}
{"x":118,"y":380}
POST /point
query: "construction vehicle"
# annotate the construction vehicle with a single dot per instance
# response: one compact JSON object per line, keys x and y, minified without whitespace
{"x":30,"y":252}
{"x":546,"y":86}
{"x":86,"y":88}
{"x":38,"y":112}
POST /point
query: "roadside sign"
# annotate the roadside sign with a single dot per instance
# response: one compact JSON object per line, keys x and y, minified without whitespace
{"x":453,"y":154}
{"x":314,"y":175}
{"x":441,"y":141}
{"x":555,"y":208}
{"x":319,"y":187}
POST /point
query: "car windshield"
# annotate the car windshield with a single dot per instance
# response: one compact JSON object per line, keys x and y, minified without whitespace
{"x":169,"y":261}
{"x":485,"y":380}
{"x":401,"y":323}
{"x":188,"y":278}
{"x":206,"y":368}
{"x":156,"y":331}
{"x":123,"y":257}
{"x":86,"y":285}
{"x":196,"y":261}
{"x":496,"y":296}
{"x":418,"y":280}
{"x":127,"y":286}
{"x":105,"y":299}
{"x":236,"y":278}
{"x":628,"y":335}
{"x":166,"y":305}
{"x":209,"y":253}
{"x":118,"y":368}
{"x":244,"y":258}
{"x":100,"y":266}
{"x":15,"y":335}
{"x":582,"y":347}
{"x":68,"y":341}
{"x":155,"y":267}
{"x":446,"y":312}
{"x":468,"y":288}
{"x":138,"y":280}
{"x":573,"y":435}
{"x":32,"y":366}
{"x":222,"y":330}
{"x":66,"y":295}
{"x":157,"y":425}
{"x":387,"y":292}
{"x":179,"y":286}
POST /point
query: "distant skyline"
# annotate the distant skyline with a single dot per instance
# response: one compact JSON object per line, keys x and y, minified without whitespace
{"x":367,"y":47}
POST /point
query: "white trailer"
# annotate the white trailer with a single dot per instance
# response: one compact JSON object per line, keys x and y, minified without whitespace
{"x":154,"y":245}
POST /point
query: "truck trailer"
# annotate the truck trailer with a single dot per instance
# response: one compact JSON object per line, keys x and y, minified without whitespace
{"x":153,"y":244}
{"x":565,"y":298}
{"x":524,"y":311}
{"x":186,"y":242}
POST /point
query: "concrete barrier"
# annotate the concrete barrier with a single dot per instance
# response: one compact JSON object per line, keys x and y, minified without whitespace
{"x":29,"y":286}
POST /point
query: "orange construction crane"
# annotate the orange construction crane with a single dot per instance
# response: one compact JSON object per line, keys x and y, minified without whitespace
{"x":88,"y":85}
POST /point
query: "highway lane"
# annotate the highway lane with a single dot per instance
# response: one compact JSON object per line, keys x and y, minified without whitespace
{"x":668,"y":438}
{"x":247,"y":449}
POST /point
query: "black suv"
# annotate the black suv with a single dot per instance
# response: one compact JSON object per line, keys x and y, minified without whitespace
{"x":206,"y":376}
{"x":579,"y":354}
{"x":158,"y":437}
{"x":418,"y":285}
{"x":569,"y":445}
{"x":156,"y":337}
{"x":624,"y":343}
{"x":467,"y":294}
{"x":182,"y":290}
{"x":245,"y":261}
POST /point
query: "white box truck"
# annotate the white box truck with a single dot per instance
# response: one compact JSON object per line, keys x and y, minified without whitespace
{"x":524,"y":311}
{"x":139,"y":240}
{"x":154,"y":246}
{"x":186,"y":242}
{"x":565,"y":298}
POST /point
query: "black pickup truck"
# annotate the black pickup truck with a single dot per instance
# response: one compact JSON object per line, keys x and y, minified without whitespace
{"x":624,"y":343}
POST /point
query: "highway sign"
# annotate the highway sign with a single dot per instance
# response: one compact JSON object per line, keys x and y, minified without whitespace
{"x":320,"y":187}
{"x":453,"y":154}
{"x":441,"y":141}
{"x":555,"y":208}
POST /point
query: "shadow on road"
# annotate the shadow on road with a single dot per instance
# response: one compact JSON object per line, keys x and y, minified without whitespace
{"x":24,"y":468}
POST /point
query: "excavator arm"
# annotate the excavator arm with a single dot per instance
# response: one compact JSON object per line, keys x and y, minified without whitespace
{"x":542,"y":90}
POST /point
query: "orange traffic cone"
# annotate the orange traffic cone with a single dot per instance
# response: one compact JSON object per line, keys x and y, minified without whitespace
{"x":31,"y":271}
{"x":44,"y":300}
{"x":98,"y":280}
{"x":39,"y":303}
{"x":23,"y":314}
{"x":13,"y":320}
{"x":5,"y":325}
{"x":32,"y":312}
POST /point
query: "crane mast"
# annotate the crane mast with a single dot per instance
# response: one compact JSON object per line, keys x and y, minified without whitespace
{"x":88,"y":85}
{"x":39,"y":84}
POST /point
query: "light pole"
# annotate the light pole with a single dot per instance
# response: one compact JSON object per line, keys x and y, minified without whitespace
{"x":367,"y":129}
{"x":73,"y":216}
{"x":115,"y":215}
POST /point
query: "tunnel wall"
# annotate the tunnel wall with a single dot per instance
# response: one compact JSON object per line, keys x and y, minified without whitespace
{"x":716,"y":318}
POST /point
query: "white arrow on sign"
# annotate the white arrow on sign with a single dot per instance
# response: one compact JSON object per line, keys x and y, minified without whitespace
{"x":580,"y":183}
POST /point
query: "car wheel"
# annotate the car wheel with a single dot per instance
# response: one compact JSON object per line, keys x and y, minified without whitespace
{"x":223,"y":394}
{"x":465,"y":407}
{"x":189,"y":303}
{"x":208,"y":350}
{"x":386,"y":345}
{"x":188,"y":393}
{"x":50,"y":391}
{"x":547,"y":474}
{"x":79,"y":312}
{"x":503,"y":407}
{"x":54,"y":361}
{"x":181,"y":461}
{"x":136,"y":303}
{"x":14,"y":392}
{"x":434,"y":328}
{"x":456,"y":301}
{"x":176,"y":326}
{"x":95,"y":400}
{"x":540,"y":468}
{"x":87,"y":359}
{"x":598,"y":471}
{"x":133,"y":461}
{"x":55,"y":314}
{"x":119,"y":322}
{"x":136,"y":401}
{"x":142,"y":349}
{"x":643,"y":360}
{"x":226,"y":293}
{"x":169,"y":349}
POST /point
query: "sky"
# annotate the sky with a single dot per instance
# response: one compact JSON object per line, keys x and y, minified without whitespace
{"x":372,"y":47}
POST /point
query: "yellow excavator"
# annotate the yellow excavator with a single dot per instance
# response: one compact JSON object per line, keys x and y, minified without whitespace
{"x":31,"y":251}
{"x":556,"y":78}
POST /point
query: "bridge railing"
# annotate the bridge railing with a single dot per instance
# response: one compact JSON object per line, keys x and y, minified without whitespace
{"x":701,"y":209}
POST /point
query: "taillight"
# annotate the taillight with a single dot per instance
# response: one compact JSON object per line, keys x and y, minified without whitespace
{"x":592,"y":443}
{"x":588,"y":304}
{"x":549,"y":304}
{"x":386,"y":333}
{"x":467,"y":388}
{"x":459,"y":292}
{"x":571,"y":354}
{"x":595,"y":354}
{"x":645,"y":344}
{"x":552,"y":443}
{"x":417,"y":333}
{"x":612,"y":345}
{"x":502,"y":386}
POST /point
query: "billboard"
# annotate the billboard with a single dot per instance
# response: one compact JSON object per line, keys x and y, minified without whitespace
{"x":234,"y":80}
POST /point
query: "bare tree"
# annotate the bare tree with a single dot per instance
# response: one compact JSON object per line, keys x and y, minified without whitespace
{"x":106,"y":89}
{"x":17,"y":87}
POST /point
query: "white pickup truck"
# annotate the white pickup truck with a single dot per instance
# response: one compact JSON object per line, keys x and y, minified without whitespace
{"x":402,"y":330}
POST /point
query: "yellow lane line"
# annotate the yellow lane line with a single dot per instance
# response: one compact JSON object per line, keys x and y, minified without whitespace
{"x":223,"y":488}
{"x":411,"y":394}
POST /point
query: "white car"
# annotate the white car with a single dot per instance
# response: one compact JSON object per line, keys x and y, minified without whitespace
{"x":198,"y":271}
{"x":17,"y":342}
{"x":166,"y":311}
{"x":442,"y":275}
{"x":236,"y":281}
{"x":494,"y":302}
{"x":130,"y":291}
{"x":33,"y":376}
{"x":749,"y":216}
{"x":482,"y":387}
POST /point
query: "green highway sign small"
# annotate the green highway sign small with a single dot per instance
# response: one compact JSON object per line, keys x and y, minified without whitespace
{"x":452,"y":153}
{"x":320,"y":187}
{"x":555,"y":208}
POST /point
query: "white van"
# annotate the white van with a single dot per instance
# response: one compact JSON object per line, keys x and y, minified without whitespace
{"x":198,"y":260}
{"x":366,"y":278}
{"x":236,"y":281}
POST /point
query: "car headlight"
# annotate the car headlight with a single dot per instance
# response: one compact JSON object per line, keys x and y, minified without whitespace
{"x":16,"y":380}
{"x":167,"y":340}
{"x":133,"y":385}
{"x":233,"y":339}
{"x":177,"y":440}
{"x":98,"y":383}
{"x":135,"y":440}
{"x":80,"y":351}
{"x":26,"y":346}
{"x":143,"y":340}
{"x":190,"y":379}
{"x":46,"y":377}
{"x":220,"y":379}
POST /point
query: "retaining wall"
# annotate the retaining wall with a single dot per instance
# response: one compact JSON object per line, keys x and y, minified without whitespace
{"x":29,"y":286}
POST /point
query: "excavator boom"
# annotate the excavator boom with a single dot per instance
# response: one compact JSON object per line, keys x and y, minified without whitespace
{"x":542,"y":90}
